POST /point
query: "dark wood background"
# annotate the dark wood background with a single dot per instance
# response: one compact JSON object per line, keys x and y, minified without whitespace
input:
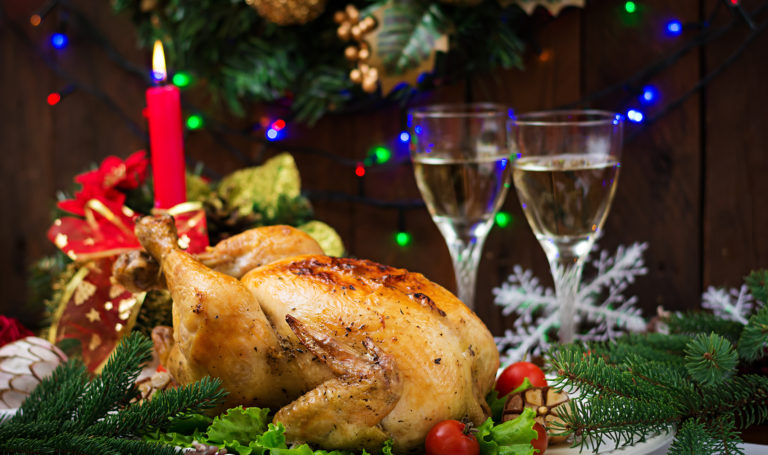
{"x":694,"y":183}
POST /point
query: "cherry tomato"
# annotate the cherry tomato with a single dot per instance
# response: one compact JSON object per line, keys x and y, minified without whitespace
{"x":449,"y":438}
{"x":512,"y":377}
{"x":542,"y":441}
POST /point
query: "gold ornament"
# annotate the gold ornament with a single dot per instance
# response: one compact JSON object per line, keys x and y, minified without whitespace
{"x":353,"y":27}
{"x":288,"y":12}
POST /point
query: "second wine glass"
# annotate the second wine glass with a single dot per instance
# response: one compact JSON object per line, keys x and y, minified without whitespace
{"x":565,"y":172}
{"x":461,"y":162}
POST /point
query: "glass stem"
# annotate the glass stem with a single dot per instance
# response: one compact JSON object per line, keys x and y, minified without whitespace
{"x":465,"y":243}
{"x":566,"y":271}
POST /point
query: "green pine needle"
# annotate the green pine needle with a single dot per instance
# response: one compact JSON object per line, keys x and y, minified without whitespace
{"x":695,"y":322}
{"x":753,"y":343}
{"x":757,"y":281}
{"x":710,"y":360}
{"x":66,"y":413}
{"x":694,"y":437}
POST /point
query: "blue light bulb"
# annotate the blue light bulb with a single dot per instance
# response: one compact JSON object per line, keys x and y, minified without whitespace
{"x":635,"y":116}
{"x":674,"y":28}
{"x":272,"y":134}
{"x":405,"y":137}
{"x":59,"y":40}
{"x":649,"y":94}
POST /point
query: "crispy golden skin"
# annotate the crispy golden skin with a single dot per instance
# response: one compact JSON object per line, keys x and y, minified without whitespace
{"x":349,"y":352}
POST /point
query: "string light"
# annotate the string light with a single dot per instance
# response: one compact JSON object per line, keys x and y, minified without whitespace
{"x":53,"y":99}
{"x":382,"y":154}
{"x":359,"y":170}
{"x":630,"y":7}
{"x":503,"y":219}
{"x":194,"y":122}
{"x":635,"y":116}
{"x":674,"y":27}
{"x":278,"y":124}
{"x":181,"y":80}
{"x":272,"y":134}
{"x":649,"y":94}
{"x":35,"y":20}
{"x":405,"y":137}
{"x":59,"y":40}
{"x":403,"y":239}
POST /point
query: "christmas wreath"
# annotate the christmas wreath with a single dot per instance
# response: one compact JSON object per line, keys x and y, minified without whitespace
{"x":322,"y":56}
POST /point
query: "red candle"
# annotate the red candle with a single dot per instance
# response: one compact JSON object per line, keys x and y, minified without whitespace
{"x":165,"y":137}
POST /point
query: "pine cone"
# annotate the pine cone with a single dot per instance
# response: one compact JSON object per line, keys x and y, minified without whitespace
{"x":23,"y":364}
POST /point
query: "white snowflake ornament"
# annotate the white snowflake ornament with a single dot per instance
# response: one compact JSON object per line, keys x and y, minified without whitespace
{"x":600,"y":305}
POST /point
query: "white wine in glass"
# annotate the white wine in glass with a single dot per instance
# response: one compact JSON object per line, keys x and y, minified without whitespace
{"x":565,"y":175}
{"x":462,"y":167}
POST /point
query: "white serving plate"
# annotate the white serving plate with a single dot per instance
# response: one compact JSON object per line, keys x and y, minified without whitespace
{"x":657,"y":445}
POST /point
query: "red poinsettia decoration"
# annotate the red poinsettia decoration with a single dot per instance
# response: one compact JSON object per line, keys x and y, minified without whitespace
{"x":12,"y":330}
{"x":104,"y":226}
{"x":105,"y":183}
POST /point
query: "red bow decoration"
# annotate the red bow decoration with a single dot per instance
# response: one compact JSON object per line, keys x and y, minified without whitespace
{"x":106,"y":226}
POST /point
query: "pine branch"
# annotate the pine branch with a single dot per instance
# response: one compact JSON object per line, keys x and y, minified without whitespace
{"x":154,"y":414}
{"x":694,"y":437}
{"x":55,"y":398}
{"x":754,"y":338}
{"x":115,"y":387}
{"x":695,"y":322}
{"x":67,"y":414}
{"x":408,"y":35}
{"x":710,"y":360}
{"x":758,"y":285}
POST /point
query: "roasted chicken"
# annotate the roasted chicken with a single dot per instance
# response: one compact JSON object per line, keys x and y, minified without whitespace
{"x":349,"y":352}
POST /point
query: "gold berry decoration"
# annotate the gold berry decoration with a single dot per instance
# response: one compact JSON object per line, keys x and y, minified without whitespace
{"x":354,"y":28}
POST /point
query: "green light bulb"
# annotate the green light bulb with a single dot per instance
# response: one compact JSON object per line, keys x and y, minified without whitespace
{"x":382,"y":154}
{"x":630,"y":7}
{"x":503,"y":219}
{"x":403,"y":238}
{"x":194,"y":122}
{"x":181,"y":80}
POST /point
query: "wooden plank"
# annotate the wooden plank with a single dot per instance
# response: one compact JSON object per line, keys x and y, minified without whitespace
{"x":25,"y":164}
{"x":735,"y":185}
{"x":658,"y":193}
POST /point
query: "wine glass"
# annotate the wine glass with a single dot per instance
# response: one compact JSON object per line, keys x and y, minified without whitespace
{"x":461,"y":161}
{"x":565,"y":167}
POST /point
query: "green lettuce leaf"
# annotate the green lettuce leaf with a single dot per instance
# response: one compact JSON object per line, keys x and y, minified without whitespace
{"x":497,"y":403}
{"x":239,"y":424}
{"x":512,"y":437}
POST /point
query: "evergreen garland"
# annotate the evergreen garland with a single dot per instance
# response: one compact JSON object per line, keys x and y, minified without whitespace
{"x":700,"y":381}
{"x":242,"y":57}
{"x":68,"y":413}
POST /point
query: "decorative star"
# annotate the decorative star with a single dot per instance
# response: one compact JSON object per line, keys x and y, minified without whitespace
{"x":93,"y":315}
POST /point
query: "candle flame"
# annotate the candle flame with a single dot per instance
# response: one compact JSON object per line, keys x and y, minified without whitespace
{"x":158,"y":62}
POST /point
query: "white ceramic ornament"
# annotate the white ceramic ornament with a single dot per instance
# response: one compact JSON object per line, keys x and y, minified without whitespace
{"x":23,"y":364}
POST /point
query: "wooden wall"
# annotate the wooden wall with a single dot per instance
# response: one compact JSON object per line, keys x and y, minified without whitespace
{"x":694,"y":183}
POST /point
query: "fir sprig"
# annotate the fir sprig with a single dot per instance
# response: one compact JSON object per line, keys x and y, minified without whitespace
{"x":67,"y":413}
{"x":753,"y":342}
{"x":710,"y":360}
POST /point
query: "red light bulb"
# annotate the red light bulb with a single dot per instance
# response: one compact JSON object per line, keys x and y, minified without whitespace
{"x":53,"y":99}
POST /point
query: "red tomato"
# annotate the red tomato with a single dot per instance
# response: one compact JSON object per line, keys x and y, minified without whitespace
{"x":542,"y":442}
{"x":449,"y":438}
{"x":512,"y":377}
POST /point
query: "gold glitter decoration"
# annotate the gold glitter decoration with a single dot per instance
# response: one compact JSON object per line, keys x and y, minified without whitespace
{"x":95,"y":342}
{"x":288,"y":12}
{"x":84,"y":292}
{"x":61,"y":240}
{"x":93,"y":315}
{"x":115,"y":290}
{"x":124,"y":308}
